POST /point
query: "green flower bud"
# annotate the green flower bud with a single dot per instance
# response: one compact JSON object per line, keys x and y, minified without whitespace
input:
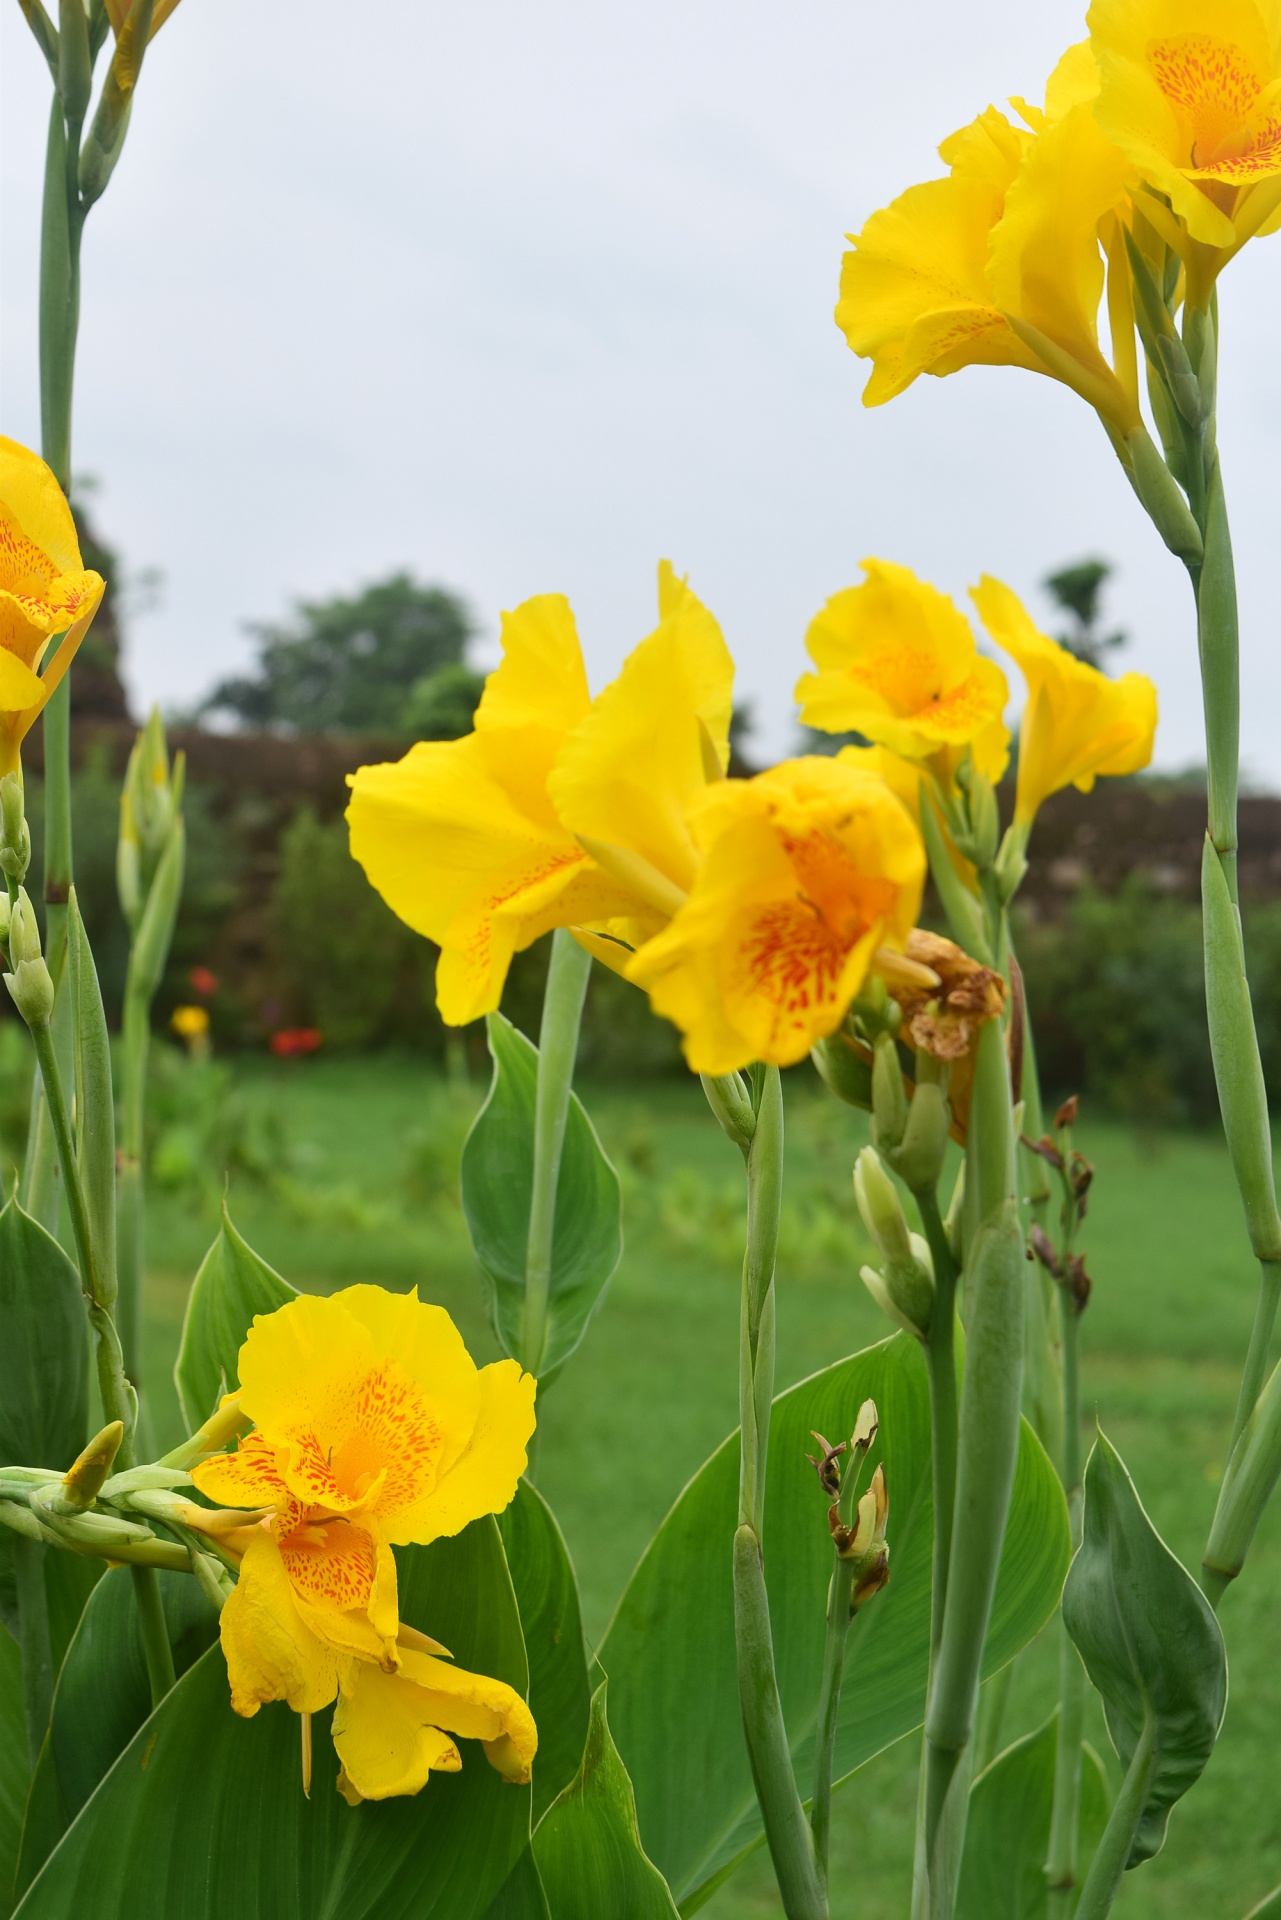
{"x":879,"y":1204}
{"x":845,"y":1069}
{"x":15,"y":838}
{"x":30,"y":984}
{"x":905,"y":1289}
{"x":889,"y":1102}
{"x":918,"y":1159}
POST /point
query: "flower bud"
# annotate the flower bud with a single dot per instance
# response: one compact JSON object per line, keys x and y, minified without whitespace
{"x":83,"y":1481}
{"x":889,"y":1102}
{"x":864,"y":1543}
{"x":845,"y":1068}
{"x":879,"y":1204}
{"x":918,"y":1159}
{"x":905,"y":1289}
{"x":15,"y":837}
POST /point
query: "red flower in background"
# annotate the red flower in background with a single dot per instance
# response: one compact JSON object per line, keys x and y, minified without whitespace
{"x":287,"y":1041}
{"x":203,"y":982}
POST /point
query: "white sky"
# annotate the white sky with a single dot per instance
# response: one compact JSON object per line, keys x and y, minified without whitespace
{"x":527,"y":293}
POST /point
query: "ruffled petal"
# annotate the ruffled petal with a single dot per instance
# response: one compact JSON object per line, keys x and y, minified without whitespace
{"x":484,"y":1478}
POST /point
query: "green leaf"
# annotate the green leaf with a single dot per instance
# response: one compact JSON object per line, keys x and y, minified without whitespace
{"x":1149,"y":1640}
{"x":521,"y":1896}
{"x":589,"y":1854}
{"x":15,"y":1762}
{"x":203,"y":1814}
{"x":497,"y":1180}
{"x":44,"y":1355}
{"x":1007,"y":1835}
{"x":547,"y":1597}
{"x":233,"y":1285}
{"x":1267,"y":1909}
{"x":103,"y":1696}
{"x":669,"y":1652}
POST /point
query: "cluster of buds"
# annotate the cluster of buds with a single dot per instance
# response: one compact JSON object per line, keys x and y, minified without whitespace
{"x":15,"y":835}
{"x":90,"y":1510}
{"x":29,"y":981}
{"x":858,"y":1534}
{"x":904,"y":1285}
{"x":1068,"y":1271}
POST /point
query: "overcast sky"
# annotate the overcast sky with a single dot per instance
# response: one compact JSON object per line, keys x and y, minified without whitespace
{"x":526,"y":294}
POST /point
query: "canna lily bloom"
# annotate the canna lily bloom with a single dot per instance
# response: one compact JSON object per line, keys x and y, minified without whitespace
{"x":1077,"y":723}
{"x":999,"y":263}
{"x":392,"y":1729}
{"x":465,"y":839}
{"x":897,"y":662}
{"x":45,"y":590}
{"x":373,"y":1427}
{"x":811,"y":876}
{"x":1189,"y":92}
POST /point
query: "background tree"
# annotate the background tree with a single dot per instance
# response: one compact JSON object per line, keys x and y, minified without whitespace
{"x":1078,"y":591}
{"x":359,"y":665}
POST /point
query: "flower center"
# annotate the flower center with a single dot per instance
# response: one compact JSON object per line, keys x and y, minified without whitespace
{"x":1228,"y":126}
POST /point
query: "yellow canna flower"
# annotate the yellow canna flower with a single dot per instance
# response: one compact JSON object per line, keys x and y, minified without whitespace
{"x":897,"y":662}
{"x":999,"y":264}
{"x":373,"y":1427}
{"x":1190,"y":92}
{"x":557,"y":811}
{"x":45,"y":590}
{"x":1077,"y":723}
{"x":392,"y":1729}
{"x":190,"y":1023}
{"x":807,"y":871}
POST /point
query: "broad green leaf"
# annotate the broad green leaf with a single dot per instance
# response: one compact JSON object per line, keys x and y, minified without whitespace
{"x":15,"y":1762}
{"x":233,"y":1285}
{"x":669,"y":1652}
{"x":1149,"y":1640}
{"x":589,"y":1854}
{"x":44,"y":1354}
{"x":1267,"y":1909}
{"x":1007,"y":1834}
{"x":203,"y":1815}
{"x":44,"y":1821}
{"x":547,"y":1596}
{"x":521,"y":1896}
{"x":103,"y":1697}
{"x":497,"y":1178}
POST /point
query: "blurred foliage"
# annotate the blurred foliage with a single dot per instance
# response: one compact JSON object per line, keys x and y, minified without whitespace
{"x":1118,"y":1000}
{"x":1078,"y":591}
{"x":351,"y":665}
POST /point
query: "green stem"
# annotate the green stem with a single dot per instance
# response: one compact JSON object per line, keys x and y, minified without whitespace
{"x":33,"y":1637}
{"x":994,"y":1699}
{"x":131,"y":1197}
{"x":940,"y":1360}
{"x":1104,"y":1878}
{"x":557,"y":1050}
{"x":829,"y":1705}
{"x":155,"y":1634}
{"x":1061,"y":1856}
{"x":117,"y":1397}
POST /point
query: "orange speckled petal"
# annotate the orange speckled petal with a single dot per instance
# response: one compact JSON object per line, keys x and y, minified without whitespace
{"x":249,"y":1477}
{"x":485,"y":1476}
{"x":271,"y":1652}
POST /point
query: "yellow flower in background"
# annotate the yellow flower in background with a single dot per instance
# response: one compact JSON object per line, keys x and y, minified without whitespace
{"x":45,"y":590}
{"x":897,"y":662}
{"x":464,"y":840}
{"x":999,"y":264}
{"x":903,"y":778}
{"x":809,"y":872}
{"x":189,"y":1023}
{"x":1077,"y":723}
{"x":628,"y":773}
{"x":373,"y":1427}
{"x":1190,"y":91}
{"x":392,"y":1729}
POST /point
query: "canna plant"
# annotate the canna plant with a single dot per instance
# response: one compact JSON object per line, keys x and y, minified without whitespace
{"x":352,"y":1530}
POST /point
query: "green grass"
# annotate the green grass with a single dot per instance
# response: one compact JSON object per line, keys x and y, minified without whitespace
{"x":372,"y":1196}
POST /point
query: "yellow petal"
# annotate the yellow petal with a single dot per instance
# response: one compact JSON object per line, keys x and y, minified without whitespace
{"x":808,"y":869}
{"x":627,"y":772}
{"x":542,"y":681}
{"x":386,"y":1739}
{"x":249,"y":1477}
{"x":271,"y":1653}
{"x":423,"y":1339}
{"x":39,"y":506}
{"x":1077,"y":723}
{"x":897,"y":662}
{"x":485,"y":1476}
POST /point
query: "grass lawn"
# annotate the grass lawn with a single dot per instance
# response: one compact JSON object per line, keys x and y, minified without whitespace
{"x":653,"y":1389}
